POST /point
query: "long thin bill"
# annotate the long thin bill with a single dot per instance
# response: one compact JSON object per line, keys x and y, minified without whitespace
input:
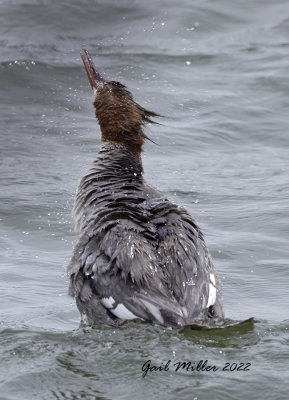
{"x":94,"y":77}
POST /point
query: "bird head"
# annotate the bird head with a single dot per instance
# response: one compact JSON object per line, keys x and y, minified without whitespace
{"x":121,"y":119}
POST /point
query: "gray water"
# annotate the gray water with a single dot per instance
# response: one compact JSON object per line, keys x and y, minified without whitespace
{"x":218,"y":73}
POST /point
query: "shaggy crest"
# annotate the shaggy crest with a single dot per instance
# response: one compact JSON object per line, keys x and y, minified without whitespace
{"x":121,"y":119}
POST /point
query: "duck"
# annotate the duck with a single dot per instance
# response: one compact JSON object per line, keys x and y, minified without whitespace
{"x":139,"y":256}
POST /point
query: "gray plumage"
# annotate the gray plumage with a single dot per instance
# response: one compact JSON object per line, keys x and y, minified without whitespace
{"x":138,"y":255}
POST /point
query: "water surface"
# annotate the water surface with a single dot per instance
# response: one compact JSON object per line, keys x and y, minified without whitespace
{"x":218,"y":73}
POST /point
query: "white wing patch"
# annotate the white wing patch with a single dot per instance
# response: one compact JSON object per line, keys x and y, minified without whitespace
{"x":122,"y":312}
{"x":212,"y":291}
{"x":107,"y":302}
{"x":213,"y":280}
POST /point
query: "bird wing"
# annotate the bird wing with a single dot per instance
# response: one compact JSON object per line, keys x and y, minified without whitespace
{"x":187,"y":264}
{"x":119,"y":266}
{"x":186,"y":260}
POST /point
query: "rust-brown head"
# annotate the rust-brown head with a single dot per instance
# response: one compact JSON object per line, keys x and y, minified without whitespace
{"x":120,"y":118}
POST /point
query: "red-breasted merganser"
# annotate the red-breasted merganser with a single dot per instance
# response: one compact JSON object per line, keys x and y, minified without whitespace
{"x":139,"y":255}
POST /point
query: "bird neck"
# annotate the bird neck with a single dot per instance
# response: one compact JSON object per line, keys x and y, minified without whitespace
{"x":119,"y":138}
{"x":116,"y":175}
{"x":117,"y":159}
